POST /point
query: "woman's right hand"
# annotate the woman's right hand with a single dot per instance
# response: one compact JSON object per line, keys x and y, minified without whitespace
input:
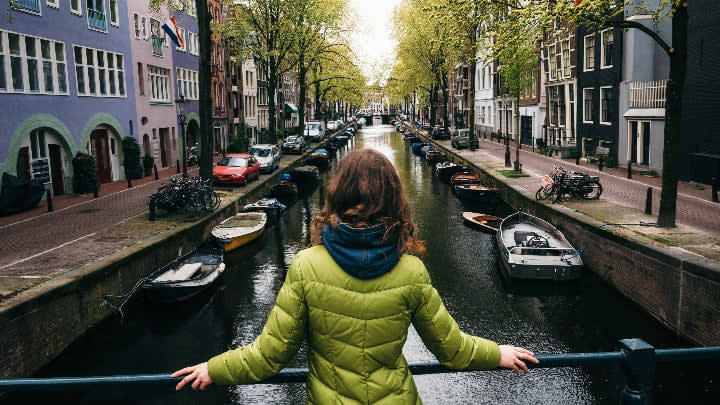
{"x":197,"y":376}
{"x":514,"y":358}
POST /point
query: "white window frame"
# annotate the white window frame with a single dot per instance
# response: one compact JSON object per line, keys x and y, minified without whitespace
{"x":588,"y":67}
{"x":40,"y":65}
{"x":144,"y":27}
{"x":53,"y":3}
{"x":113,"y":73}
{"x":136,"y":26}
{"x":182,"y":48}
{"x":24,"y":10}
{"x":588,"y":112}
{"x":78,"y":10}
{"x":105,"y":14}
{"x":159,"y":84}
{"x":565,"y":58}
{"x":552,"y":61}
{"x":113,"y":7}
{"x":603,"y":35}
{"x":602,"y":109}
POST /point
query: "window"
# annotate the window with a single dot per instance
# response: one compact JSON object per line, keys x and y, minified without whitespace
{"x":189,"y":7}
{"x":552,"y":62}
{"x":566,"y":58}
{"x":136,"y":25}
{"x":53,"y":3}
{"x":157,"y":37}
{"x":99,"y":73}
{"x":589,"y":52}
{"x":159,"y":90}
{"x":29,"y":6}
{"x":141,"y":78}
{"x":606,"y":105}
{"x":96,"y":15}
{"x":193,"y":44}
{"x":75,"y":7}
{"x":187,"y":83}
{"x":182,"y":48}
{"x":588,"y":105}
{"x":31,"y":65}
{"x":607,"y":49}
{"x":38,"y":148}
{"x":114,"y":13}
{"x":143,"y":27}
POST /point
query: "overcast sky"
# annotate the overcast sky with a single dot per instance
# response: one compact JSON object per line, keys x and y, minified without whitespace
{"x":373,"y":40}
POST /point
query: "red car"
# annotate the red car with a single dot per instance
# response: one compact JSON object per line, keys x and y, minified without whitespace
{"x":236,"y":168}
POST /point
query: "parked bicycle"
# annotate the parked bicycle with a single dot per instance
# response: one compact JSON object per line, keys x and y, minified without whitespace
{"x":190,"y":194}
{"x":562,"y":185}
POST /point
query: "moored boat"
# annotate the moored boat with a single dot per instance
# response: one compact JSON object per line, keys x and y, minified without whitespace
{"x":531,"y":248}
{"x":475,"y":192}
{"x":239,"y":230}
{"x":484,"y":222}
{"x":284,"y":189}
{"x":434,"y":156}
{"x":270,"y":206}
{"x":319,"y":157}
{"x":304,"y":174}
{"x":447,"y":169}
{"x":186,"y":276}
{"x":465,"y":178}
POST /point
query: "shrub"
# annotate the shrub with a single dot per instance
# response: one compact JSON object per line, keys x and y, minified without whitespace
{"x":573,"y":153}
{"x":148,"y":161}
{"x":131,"y":153}
{"x":611,"y":162}
{"x":85,"y":174}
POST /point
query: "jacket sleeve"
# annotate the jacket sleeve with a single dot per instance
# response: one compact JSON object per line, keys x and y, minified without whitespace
{"x":278,"y":343}
{"x":441,"y":334}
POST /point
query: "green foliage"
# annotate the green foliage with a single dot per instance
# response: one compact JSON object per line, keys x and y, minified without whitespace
{"x":131,"y":153}
{"x":573,"y":153}
{"x":239,"y":142}
{"x":611,"y":162}
{"x":85,"y":174}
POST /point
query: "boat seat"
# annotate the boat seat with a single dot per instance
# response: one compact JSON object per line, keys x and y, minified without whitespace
{"x":521,"y":237}
{"x":185,"y":272}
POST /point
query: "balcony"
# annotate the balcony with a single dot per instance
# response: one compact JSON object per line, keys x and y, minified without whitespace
{"x":647,"y":94}
{"x":96,"y":20}
{"x":32,"y":6}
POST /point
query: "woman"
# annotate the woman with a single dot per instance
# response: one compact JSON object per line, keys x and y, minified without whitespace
{"x":353,"y":296}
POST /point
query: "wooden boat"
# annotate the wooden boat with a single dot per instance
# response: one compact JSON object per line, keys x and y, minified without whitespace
{"x":475,"y":192}
{"x":531,"y":248}
{"x":484,"y":222}
{"x":239,"y":230}
{"x":186,"y":276}
{"x":284,"y":189}
{"x":304,"y":174}
{"x":447,"y":169}
{"x":434,"y":156}
{"x":269,"y":206}
{"x":465,"y":178}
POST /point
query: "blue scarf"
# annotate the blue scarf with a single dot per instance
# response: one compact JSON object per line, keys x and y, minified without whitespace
{"x":361,"y":252}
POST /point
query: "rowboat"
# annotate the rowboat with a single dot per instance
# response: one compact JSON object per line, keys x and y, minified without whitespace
{"x":447,"y":169}
{"x":484,"y":222}
{"x":531,"y":248}
{"x":284,"y":189}
{"x":465,"y":178}
{"x":434,"y":156}
{"x":319,"y":158}
{"x":475,"y":192}
{"x":305,"y":174}
{"x":186,"y":276}
{"x":239,"y":230}
{"x":269,"y":206}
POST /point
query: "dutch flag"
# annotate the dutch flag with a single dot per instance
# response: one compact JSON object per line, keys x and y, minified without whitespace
{"x":171,"y":28}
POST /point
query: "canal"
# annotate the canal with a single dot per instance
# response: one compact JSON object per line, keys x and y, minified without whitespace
{"x":583,"y":317}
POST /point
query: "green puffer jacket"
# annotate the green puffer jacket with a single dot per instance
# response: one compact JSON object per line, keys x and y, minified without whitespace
{"x":356,"y":330}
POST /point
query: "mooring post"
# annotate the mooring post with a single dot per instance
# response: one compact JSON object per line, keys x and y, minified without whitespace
{"x":715,"y":182}
{"x":129,"y":182}
{"x":157,"y":177}
{"x":508,"y":163}
{"x":49,"y":201}
{"x":639,"y":366}
{"x":177,"y":167}
{"x":577,"y":159}
{"x":629,"y":174}
{"x":648,"y":201}
{"x":96,"y":192}
{"x":600,"y":162}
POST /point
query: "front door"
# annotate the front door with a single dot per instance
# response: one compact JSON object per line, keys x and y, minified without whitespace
{"x":56,"y":169}
{"x":163,"y":147}
{"x":99,"y":147}
{"x":23,"y":163}
{"x":526,"y":129}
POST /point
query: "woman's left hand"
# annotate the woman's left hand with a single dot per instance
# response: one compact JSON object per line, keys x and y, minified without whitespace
{"x":197,"y":374}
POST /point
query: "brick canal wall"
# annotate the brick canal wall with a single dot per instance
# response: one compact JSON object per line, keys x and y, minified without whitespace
{"x":38,"y":324}
{"x":679,"y":288}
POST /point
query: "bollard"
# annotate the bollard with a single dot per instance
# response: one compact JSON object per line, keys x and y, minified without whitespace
{"x":600,"y":162}
{"x":648,"y":201}
{"x":177,"y":166}
{"x":715,"y":182}
{"x":507,"y":155}
{"x":629,"y":174}
{"x":49,"y":201}
{"x":639,"y":366}
{"x":577,"y":159}
{"x":157,"y":177}
{"x":129,"y":182}
{"x":96,"y":192}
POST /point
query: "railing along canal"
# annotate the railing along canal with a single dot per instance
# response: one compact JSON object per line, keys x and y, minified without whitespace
{"x":637,"y":357}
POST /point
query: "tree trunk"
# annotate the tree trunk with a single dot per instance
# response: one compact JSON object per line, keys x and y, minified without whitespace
{"x":433,"y":105}
{"x":302,"y":78}
{"x":444,"y":86}
{"x":206,"y":136}
{"x":317,"y":100}
{"x":471,"y":113}
{"x":673,"y":117}
{"x":272,"y":95}
{"x":518,"y":145}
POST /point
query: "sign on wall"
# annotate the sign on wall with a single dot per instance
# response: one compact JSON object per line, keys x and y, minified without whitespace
{"x":41,"y":170}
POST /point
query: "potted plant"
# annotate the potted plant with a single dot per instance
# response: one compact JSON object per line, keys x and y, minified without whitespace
{"x":148,"y":163}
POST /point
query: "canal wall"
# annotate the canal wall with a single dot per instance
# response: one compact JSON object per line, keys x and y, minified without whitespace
{"x":39,"y":323}
{"x":679,"y":288}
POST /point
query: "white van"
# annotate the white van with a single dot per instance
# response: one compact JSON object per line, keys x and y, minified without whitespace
{"x":314,"y":131}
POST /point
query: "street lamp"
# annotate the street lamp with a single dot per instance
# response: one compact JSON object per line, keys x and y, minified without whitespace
{"x":180,"y":106}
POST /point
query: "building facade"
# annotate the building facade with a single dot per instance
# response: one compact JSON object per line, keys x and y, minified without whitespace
{"x":560,"y":62}
{"x":219,"y":61}
{"x":186,"y":64}
{"x":66,"y":87}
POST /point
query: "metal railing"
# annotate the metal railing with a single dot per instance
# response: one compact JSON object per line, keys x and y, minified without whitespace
{"x":637,"y":357}
{"x":96,"y":19}
{"x":647,"y":94}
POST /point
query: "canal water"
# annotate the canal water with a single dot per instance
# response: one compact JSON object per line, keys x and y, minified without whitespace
{"x":583,"y":317}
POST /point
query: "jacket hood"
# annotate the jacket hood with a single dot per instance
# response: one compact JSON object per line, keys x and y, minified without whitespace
{"x":361,"y":252}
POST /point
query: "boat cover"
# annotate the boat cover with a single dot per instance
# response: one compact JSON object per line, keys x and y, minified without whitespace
{"x":19,"y":195}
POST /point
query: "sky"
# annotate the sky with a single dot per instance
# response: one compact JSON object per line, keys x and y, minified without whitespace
{"x":372,"y":39}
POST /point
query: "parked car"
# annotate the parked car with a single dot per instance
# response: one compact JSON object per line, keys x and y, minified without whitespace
{"x":268,"y":156}
{"x":439,"y":133}
{"x":332,"y":126}
{"x":314,"y":131}
{"x":461,"y":139}
{"x":294,"y":144}
{"x":236,"y":168}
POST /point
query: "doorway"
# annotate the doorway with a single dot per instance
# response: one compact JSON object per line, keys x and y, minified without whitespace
{"x":639,"y":142}
{"x":164,"y":135}
{"x":99,"y":149}
{"x":56,"y":169}
{"x":526,"y":129}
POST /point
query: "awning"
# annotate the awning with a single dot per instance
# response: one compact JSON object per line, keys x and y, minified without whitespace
{"x":290,"y":108}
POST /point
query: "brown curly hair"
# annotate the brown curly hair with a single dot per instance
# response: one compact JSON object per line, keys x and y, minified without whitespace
{"x":366,"y":191}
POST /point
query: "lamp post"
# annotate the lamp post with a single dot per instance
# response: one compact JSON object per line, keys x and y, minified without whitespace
{"x":180,"y":106}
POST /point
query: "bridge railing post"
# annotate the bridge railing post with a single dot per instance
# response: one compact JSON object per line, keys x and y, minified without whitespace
{"x":639,"y":366}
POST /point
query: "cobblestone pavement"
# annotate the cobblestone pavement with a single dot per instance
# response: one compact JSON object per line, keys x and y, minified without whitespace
{"x":692,"y":208}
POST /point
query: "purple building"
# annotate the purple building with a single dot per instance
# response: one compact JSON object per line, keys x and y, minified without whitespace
{"x":65,"y":86}
{"x":186,"y":63}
